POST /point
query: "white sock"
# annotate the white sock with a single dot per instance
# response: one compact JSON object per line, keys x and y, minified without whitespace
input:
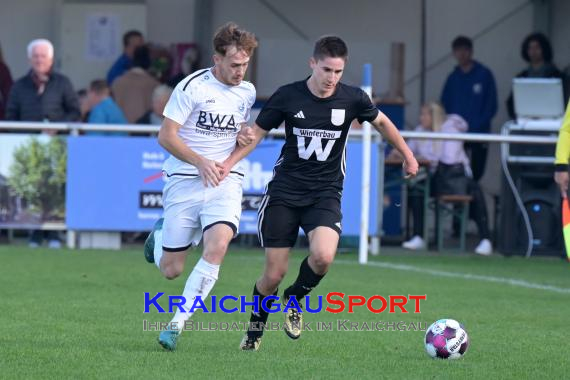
{"x":199,"y":283}
{"x":157,"y":247}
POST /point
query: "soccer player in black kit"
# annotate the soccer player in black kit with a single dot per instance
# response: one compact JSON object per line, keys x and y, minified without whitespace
{"x":306,"y":188}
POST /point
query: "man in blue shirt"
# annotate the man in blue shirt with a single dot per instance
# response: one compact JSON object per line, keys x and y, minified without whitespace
{"x":104,"y":110}
{"x":131,"y":41}
{"x":470,"y":92}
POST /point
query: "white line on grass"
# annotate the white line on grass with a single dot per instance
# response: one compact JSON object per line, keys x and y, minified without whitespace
{"x":465,"y":276}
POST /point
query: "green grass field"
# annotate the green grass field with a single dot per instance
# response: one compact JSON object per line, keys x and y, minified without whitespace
{"x":79,"y":314}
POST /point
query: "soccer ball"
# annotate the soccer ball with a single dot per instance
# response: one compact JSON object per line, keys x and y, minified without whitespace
{"x":446,"y":339}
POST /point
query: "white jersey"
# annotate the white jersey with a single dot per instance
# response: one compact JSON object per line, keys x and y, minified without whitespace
{"x":211,"y":114}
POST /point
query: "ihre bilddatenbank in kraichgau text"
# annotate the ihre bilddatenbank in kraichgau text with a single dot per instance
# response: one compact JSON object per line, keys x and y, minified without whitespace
{"x":335,"y":303}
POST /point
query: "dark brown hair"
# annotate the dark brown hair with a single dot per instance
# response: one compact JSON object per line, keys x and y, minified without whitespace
{"x":141,"y":57}
{"x":129,"y":35}
{"x":545,"y":46}
{"x":330,"y":46}
{"x":231,"y":34}
{"x":461,"y":42}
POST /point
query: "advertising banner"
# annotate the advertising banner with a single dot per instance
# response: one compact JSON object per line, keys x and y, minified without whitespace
{"x":115,"y":184}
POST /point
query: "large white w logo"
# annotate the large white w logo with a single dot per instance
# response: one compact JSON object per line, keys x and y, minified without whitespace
{"x":315,"y":146}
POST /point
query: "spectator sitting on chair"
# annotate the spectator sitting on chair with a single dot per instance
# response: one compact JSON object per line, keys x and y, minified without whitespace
{"x":133,"y":90}
{"x":103,"y":109}
{"x":5,"y":84}
{"x":160,"y":97}
{"x":449,"y":152}
{"x":537,"y":51}
{"x":131,"y":41}
{"x":42,"y":95}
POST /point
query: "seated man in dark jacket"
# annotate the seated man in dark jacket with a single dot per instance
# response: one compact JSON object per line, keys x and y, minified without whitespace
{"x":42,"y":95}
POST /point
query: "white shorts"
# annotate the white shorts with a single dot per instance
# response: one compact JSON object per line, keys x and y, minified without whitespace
{"x":190,"y":208}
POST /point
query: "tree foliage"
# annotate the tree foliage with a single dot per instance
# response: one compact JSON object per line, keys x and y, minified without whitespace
{"x":38,"y":175}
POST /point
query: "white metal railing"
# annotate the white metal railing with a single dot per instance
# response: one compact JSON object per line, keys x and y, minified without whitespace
{"x":75,"y":128}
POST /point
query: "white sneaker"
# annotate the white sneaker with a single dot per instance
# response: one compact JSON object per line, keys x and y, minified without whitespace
{"x":414,"y":243}
{"x":484,"y":247}
{"x":54,"y":244}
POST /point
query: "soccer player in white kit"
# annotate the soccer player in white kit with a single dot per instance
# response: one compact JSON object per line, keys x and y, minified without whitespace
{"x":202,"y":197}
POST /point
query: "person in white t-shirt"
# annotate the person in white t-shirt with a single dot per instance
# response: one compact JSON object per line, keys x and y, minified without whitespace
{"x":202,"y":197}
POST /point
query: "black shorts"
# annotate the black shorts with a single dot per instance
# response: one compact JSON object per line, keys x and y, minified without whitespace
{"x":278,"y":224}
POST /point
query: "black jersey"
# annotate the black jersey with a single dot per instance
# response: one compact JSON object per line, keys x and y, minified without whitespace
{"x":312,"y":163}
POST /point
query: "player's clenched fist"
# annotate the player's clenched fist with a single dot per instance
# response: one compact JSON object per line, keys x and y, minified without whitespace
{"x":245,"y":136}
{"x":411,"y":167}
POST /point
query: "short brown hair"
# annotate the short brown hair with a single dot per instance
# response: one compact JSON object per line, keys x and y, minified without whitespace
{"x":231,"y":34}
{"x":330,"y":46}
{"x":99,"y":86}
{"x":128,"y":36}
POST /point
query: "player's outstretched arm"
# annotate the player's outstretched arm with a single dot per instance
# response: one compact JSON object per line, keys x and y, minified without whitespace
{"x":389,"y":131}
{"x":242,"y":151}
{"x":210,"y":171}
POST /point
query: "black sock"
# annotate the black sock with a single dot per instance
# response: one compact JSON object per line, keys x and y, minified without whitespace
{"x":304,"y":283}
{"x":256,"y":321}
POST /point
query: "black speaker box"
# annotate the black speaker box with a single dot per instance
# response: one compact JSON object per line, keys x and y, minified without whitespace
{"x":541,"y":199}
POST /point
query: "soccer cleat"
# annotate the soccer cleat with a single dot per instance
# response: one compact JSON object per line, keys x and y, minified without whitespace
{"x":293,"y":322}
{"x":167,"y":339}
{"x":149,"y":242}
{"x":250,"y":343}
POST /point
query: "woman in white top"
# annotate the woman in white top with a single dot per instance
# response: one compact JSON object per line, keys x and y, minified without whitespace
{"x":450,"y":152}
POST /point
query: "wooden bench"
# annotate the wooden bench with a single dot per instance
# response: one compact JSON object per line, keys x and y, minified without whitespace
{"x":446,"y":205}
